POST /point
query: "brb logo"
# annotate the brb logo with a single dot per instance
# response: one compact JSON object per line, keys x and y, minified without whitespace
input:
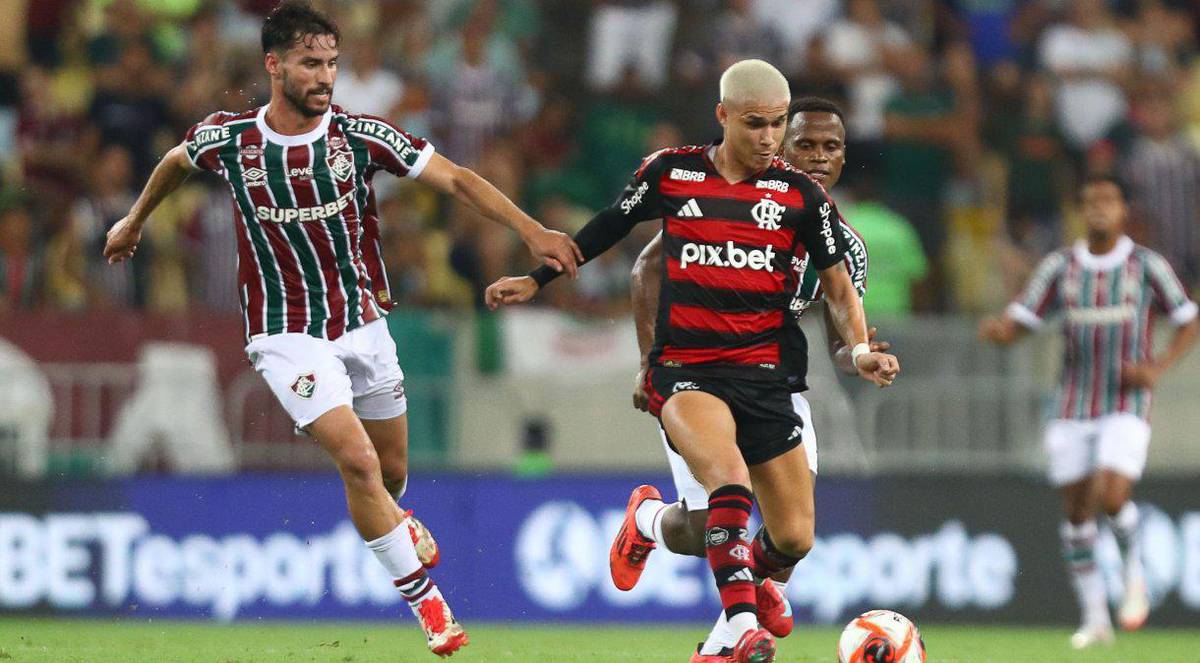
{"x":729,"y":255}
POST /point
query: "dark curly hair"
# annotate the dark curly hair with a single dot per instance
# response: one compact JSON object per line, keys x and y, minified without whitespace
{"x":293,"y":22}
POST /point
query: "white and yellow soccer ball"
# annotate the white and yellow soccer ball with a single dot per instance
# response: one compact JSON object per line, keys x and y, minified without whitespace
{"x":881,"y":636}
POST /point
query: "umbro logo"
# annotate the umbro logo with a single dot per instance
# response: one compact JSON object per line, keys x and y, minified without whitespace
{"x":254,"y":176}
{"x":690,"y":210}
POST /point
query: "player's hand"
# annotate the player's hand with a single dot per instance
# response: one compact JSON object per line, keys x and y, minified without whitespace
{"x":995,"y":329}
{"x":1140,"y":375}
{"x":878,"y":367}
{"x":510,"y":290}
{"x":843,"y":359}
{"x":556,"y":249}
{"x":122,"y":240}
{"x":641,"y":399}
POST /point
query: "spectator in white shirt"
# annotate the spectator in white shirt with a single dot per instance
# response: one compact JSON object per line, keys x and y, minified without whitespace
{"x":1091,"y":60}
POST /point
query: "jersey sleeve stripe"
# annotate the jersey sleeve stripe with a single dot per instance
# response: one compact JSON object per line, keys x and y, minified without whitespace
{"x":422,"y":160}
{"x":1021,"y":313}
{"x":1185,"y":314}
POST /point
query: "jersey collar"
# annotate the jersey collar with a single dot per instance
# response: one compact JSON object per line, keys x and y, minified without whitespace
{"x":1098,"y":263}
{"x":291,"y":141}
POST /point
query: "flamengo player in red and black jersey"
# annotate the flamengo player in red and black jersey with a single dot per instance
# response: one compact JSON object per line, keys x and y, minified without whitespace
{"x":300,"y":170}
{"x":816,"y":144}
{"x":734,"y":216}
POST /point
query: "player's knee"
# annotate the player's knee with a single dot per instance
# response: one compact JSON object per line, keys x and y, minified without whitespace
{"x":1112,"y":504}
{"x":394,"y":469}
{"x":796,"y":542}
{"x":359,"y":464}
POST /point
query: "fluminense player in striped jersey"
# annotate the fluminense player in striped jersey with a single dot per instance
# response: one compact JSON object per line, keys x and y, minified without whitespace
{"x":311,"y":280}
{"x":1109,"y":291}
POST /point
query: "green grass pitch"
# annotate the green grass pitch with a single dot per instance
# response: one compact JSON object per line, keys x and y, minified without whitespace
{"x":63,"y":641}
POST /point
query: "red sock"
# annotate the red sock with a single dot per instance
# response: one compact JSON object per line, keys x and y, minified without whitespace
{"x":727,"y":546}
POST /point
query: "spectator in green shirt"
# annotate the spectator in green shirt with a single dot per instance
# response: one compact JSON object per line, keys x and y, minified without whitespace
{"x":897,"y":259}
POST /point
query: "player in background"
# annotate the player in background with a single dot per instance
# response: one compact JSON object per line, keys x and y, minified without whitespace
{"x":815,"y":143}
{"x":299,"y":170}
{"x":1108,"y":290}
{"x":735,"y":216}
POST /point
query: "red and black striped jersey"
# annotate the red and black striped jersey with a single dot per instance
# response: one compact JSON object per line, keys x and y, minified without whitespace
{"x":729,"y":249}
{"x":308,"y":232}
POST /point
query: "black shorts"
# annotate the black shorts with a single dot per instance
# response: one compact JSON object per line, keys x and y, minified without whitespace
{"x":766,"y":421}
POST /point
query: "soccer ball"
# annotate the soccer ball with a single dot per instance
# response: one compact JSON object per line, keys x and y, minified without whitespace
{"x":881,"y":636}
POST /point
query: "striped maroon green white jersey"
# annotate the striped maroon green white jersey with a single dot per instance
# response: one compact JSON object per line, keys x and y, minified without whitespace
{"x":1109,"y":303}
{"x":308,"y":231}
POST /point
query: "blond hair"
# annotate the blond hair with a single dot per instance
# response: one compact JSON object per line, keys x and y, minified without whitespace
{"x":751,"y":81}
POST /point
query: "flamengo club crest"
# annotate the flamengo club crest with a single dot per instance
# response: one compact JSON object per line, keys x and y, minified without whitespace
{"x":341,"y":165}
{"x":305,"y":385}
{"x":767,"y":213}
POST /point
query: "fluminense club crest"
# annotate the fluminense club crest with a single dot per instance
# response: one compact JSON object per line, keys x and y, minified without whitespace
{"x":305,"y":385}
{"x":341,"y":165}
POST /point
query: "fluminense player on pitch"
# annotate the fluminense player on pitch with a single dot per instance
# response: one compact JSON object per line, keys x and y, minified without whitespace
{"x":815,"y":143}
{"x":1109,"y":291}
{"x":311,"y":278}
{"x":735,"y":216}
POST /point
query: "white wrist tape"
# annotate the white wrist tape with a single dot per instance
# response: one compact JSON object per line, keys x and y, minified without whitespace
{"x":858,"y":351}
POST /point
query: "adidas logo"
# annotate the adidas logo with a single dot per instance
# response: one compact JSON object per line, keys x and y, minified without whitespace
{"x":690,"y":210}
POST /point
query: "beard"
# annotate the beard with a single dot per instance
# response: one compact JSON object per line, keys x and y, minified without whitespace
{"x":302,"y":101}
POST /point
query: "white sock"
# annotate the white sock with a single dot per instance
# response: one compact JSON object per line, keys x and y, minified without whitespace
{"x":720,"y":637}
{"x":1079,"y":549}
{"x":395,"y":551}
{"x":647,"y":513}
{"x":782,"y":587}
{"x":1125,"y":526}
{"x":742,"y":622}
{"x":399,"y":492}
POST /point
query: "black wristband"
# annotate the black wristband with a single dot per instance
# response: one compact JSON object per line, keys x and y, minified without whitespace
{"x":543,"y":275}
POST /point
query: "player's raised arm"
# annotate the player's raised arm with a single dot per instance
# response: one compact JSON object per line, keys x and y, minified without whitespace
{"x":645,"y":288}
{"x":638,"y":202}
{"x":556,"y":249}
{"x":122,"y":239}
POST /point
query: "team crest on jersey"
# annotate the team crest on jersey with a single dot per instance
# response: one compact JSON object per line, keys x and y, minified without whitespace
{"x":250,"y":151}
{"x":767,"y":213}
{"x":305,"y":385}
{"x":341,"y":165}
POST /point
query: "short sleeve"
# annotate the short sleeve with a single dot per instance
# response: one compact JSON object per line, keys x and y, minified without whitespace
{"x":641,"y":199}
{"x":856,"y":264}
{"x":1041,"y":296}
{"x":1169,"y":293}
{"x":204,"y":140}
{"x":391,"y":148}
{"x":819,"y":229}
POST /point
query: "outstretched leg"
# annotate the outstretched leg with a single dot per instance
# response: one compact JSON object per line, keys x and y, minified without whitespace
{"x":379,"y":520}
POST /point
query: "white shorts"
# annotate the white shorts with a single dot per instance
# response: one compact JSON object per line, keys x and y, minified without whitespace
{"x":1079,"y":447}
{"x":693,"y":495}
{"x":310,"y":376}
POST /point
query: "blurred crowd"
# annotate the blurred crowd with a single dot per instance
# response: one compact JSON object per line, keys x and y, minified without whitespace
{"x":968,"y":123}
